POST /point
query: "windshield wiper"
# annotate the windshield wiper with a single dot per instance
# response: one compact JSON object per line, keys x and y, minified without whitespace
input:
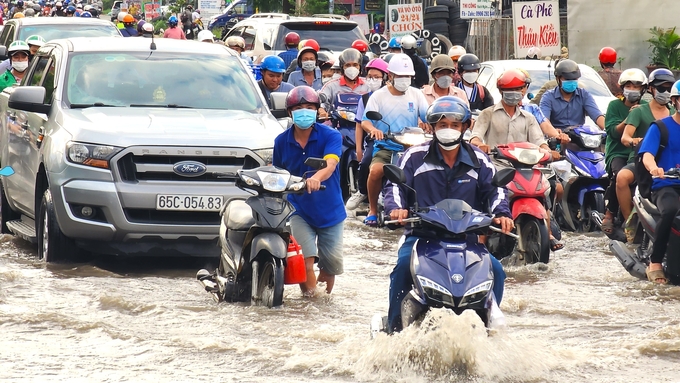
{"x":160,"y":106}
{"x":96,"y":104}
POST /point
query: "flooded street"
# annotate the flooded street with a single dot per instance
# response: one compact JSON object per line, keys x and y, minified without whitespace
{"x":582,"y":318}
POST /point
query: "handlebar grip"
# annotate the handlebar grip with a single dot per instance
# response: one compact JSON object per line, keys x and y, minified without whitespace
{"x":322,"y":187}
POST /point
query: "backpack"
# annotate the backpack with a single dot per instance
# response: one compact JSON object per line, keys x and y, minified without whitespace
{"x":184,"y":18}
{"x":642,"y":175}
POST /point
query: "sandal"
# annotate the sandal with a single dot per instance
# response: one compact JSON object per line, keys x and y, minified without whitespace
{"x":371,"y":221}
{"x":556,"y":245}
{"x":607,"y":226}
{"x":654,"y":275}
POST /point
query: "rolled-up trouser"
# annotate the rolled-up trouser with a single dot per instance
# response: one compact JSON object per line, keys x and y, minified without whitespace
{"x":610,"y":195}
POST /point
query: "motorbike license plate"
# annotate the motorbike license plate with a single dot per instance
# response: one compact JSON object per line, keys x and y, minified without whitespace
{"x":189,"y":202}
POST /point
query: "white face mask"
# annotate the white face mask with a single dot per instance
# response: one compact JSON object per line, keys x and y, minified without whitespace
{"x":470,"y":77}
{"x":19,"y":66}
{"x":444,"y":81}
{"x":351,"y":73}
{"x":326,"y":79}
{"x":401,"y":84}
{"x":336,"y":76}
{"x":373,"y":84}
{"x":308,"y":65}
{"x":449,"y":139}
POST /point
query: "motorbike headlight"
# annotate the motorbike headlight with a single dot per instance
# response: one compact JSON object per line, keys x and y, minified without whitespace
{"x":274,"y":182}
{"x":267,"y":155}
{"x":347,"y":115}
{"x":435,"y":291}
{"x":591,"y":141}
{"x":97,"y":156}
{"x":527,"y":156}
{"x":476,"y":294}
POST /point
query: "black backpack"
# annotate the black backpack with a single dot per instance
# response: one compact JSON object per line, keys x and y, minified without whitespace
{"x":642,"y":175}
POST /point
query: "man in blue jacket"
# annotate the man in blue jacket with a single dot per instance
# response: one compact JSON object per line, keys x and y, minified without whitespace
{"x":447,"y":167}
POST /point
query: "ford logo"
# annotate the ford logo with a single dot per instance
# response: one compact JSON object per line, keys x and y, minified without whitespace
{"x":189,"y":169}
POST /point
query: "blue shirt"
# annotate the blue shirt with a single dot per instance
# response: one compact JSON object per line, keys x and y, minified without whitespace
{"x":323,"y":208}
{"x":289,"y":56}
{"x":563,"y":114}
{"x":283,"y":88}
{"x":297,"y":78}
{"x":535,"y":111}
{"x":670,"y":156}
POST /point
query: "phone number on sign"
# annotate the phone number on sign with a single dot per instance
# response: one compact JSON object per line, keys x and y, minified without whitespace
{"x":189,"y":202}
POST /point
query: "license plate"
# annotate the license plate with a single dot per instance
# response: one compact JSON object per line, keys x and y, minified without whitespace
{"x":189,"y":202}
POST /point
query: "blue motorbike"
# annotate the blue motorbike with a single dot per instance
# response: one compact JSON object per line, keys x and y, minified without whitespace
{"x":584,"y":179}
{"x":450,"y":268}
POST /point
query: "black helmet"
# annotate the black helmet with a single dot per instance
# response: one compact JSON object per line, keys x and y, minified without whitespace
{"x":468,"y":62}
{"x":567,"y":69}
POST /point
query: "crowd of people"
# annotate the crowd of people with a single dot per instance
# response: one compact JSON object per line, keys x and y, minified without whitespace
{"x":42,"y":8}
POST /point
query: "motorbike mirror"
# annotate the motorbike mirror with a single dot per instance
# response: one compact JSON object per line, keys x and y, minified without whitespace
{"x":503,"y":177}
{"x":323,"y":98}
{"x":316,"y":163}
{"x":530,"y":96}
{"x":373,"y":115}
{"x":395,"y":174}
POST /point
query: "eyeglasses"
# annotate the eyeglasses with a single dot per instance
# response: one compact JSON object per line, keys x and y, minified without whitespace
{"x":664,"y":88}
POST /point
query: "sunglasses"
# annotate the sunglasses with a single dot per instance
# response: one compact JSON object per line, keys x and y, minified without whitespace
{"x":665,"y":88}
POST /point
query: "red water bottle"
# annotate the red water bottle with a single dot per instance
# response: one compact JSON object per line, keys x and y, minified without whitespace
{"x":296,"y":270}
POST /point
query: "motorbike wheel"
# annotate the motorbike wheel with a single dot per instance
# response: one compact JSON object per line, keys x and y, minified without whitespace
{"x":270,"y":284}
{"x":593,"y":202}
{"x":536,"y":240}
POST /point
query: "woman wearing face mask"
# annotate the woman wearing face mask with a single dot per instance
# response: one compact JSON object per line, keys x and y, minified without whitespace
{"x":477,"y":95}
{"x":318,"y":221}
{"x":310,"y":74}
{"x":18,"y":53}
{"x":442,"y":69}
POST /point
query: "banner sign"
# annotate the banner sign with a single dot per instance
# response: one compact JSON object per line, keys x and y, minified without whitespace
{"x":208,"y":9}
{"x":537,"y":24}
{"x":362,"y":21}
{"x":151,"y":10}
{"x":477,"y":9}
{"x":405,"y":18}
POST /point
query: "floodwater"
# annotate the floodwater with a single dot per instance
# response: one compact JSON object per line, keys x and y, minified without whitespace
{"x":582,"y":318}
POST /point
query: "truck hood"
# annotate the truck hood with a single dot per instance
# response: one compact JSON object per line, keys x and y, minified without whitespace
{"x":180,"y":127}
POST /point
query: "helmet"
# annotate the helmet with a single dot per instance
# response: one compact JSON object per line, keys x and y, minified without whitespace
{"x":29,"y":12}
{"x":324,"y":59}
{"x":35,"y":40}
{"x":511,"y":79}
{"x":79,"y":6}
{"x":310,"y":43}
{"x":401,"y":65}
{"x":468,"y":62}
{"x":190,"y":6}
{"x":18,"y":46}
{"x":634,"y":76}
{"x":675,"y":90}
{"x":140,"y":24}
{"x":349,"y":55}
{"x":659,"y":76}
{"x":378,"y":64}
{"x":172,"y":21}
{"x":440,"y":62}
{"x":450,"y":107}
{"x":206,"y":35}
{"x":302,"y":95}
{"x":388,"y":57}
{"x":408,"y":42}
{"x":121,"y":15}
{"x":19,"y":15}
{"x":456,"y":51}
{"x":526,"y":74}
{"x":147,"y":28}
{"x":72,"y":9}
{"x":534,"y":53}
{"x":607,"y":56}
{"x":235,"y":41}
{"x":568,"y":69}
{"x":20,"y":3}
{"x":394,"y":43}
{"x":58,"y":4}
{"x":37,"y":8}
{"x":305,"y":50}
{"x":360,"y":45}
{"x":292,"y":39}
{"x":87,"y":7}
{"x":273,"y":64}
{"x":126,"y":20}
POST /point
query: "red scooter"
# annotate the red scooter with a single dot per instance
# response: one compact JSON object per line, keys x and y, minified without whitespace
{"x":528,"y":192}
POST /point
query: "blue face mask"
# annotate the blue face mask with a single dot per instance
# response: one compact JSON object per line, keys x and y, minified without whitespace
{"x":304,"y":118}
{"x":569,"y":86}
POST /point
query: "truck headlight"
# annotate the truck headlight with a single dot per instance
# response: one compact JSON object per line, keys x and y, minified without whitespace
{"x":97,"y":156}
{"x":267,"y":155}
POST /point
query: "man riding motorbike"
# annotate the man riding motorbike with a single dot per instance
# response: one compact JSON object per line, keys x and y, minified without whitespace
{"x":455,"y":169}
{"x":477,"y":95}
{"x":309,"y":74}
{"x":409,"y":46}
{"x":609,"y":74}
{"x":350,"y":82}
{"x":272,"y":68}
{"x":442,"y":70}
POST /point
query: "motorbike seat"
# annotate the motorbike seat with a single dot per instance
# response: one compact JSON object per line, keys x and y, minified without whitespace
{"x":238,"y":215}
{"x":650,"y":207}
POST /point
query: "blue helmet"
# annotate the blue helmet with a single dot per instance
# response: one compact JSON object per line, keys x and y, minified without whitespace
{"x":675,"y":90}
{"x":172,"y":20}
{"x":70,"y":9}
{"x":395,"y":43}
{"x":660,"y":76}
{"x":451,"y":107}
{"x":273,"y":64}
{"x":86,"y":14}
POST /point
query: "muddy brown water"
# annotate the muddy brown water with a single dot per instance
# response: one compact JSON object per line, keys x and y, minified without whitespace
{"x":580,"y":319}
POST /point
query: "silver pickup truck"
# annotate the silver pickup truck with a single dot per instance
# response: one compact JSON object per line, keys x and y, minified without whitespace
{"x":116,"y":144}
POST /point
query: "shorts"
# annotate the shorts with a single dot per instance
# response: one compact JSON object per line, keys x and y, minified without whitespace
{"x":630,"y":167}
{"x":324,"y":244}
{"x":617,"y":164}
{"x":382,"y":156}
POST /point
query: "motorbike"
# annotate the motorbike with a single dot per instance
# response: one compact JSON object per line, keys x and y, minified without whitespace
{"x":254,"y":238}
{"x":448,"y":269}
{"x":584,"y":179}
{"x":527,"y":193}
{"x":644,"y":217}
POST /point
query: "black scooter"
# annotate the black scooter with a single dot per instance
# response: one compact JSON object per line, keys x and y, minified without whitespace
{"x":254,"y":237}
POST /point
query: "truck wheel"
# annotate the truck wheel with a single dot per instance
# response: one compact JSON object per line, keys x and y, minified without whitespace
{"x":6,"y":213}
{"x":53,"y":246}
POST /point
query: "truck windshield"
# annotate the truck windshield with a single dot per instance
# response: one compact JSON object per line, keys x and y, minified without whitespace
{"x":64,"y":31}
{"x":330,"y":35}
{"x":160,"y":80}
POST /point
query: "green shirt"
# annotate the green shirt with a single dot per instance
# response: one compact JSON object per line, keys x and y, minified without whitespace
{"x":7,"y":79}
{"x":617,"y":111}
{"x":641,"y":118}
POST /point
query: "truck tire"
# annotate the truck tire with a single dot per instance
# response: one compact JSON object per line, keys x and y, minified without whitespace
{"x":53,"y":245}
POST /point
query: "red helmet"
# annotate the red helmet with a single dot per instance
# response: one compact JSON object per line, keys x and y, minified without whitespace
{"x":360,"y":45}
{"x":511,"y":79}
{"x":312,"y":43}
{"x":607,"y":56}
{"x":302,"y":95}
{"x":292,"y":39}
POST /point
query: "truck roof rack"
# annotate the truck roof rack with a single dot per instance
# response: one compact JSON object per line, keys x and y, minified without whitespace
{"x":270,"y":16}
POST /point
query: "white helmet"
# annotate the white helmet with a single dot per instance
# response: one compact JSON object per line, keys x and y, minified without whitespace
{"x":633,"y":75}
{"x":236,"y":41}
{"x":408,"y":42}
{"x":121,"y":15}
{"x":206,"y":35}
{"x":58,"y":4}
{"x":534,"y":53}
{"x":456,"y":51}
{"x":401,"y":65}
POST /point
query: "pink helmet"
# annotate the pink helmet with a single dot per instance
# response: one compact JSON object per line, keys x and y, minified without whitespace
{"x":378,"y":64}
